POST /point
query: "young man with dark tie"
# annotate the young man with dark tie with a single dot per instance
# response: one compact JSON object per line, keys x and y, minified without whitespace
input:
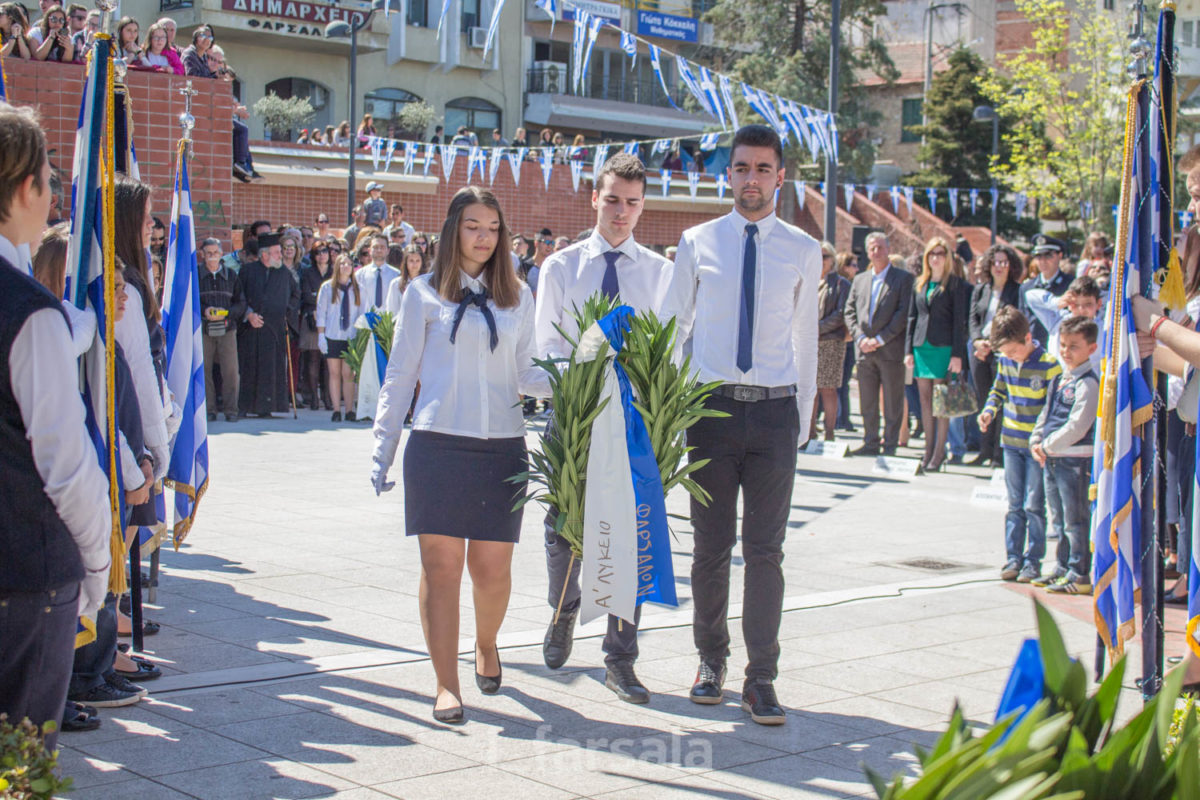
{"x":612,"y":262}
{"x":744,"y":293}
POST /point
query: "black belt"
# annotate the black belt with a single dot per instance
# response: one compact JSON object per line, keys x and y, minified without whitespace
{"x":754,"y":394}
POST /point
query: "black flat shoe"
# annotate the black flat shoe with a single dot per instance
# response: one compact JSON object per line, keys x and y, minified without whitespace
{"x":145,"y":671}
{"x":350,"y":417}
{"x":337,"y":417}
{"x":451,"y":716}
{"x":1172,"y":599}
{"x":706,"y":690}
{"x":490,"y":684}
{"x":76,"y":722}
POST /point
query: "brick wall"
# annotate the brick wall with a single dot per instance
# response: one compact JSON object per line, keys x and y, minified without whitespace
{"x":528,"y":207}
{"x":56,"y":89}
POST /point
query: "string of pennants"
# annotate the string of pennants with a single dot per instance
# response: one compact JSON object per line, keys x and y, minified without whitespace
{"x":488,"y":160}
{"x":713,"y":91}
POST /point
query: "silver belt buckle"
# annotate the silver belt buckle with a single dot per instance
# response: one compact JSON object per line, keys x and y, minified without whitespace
{"x":745,"y":394}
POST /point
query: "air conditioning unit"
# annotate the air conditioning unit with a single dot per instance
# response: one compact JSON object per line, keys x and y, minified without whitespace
{"x":477,"y":37}
{"x":553,"y":76}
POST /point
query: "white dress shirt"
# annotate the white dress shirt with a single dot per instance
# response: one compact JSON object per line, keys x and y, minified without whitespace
{"x":371,"y":275}
{"x":44,"y":376}
{"x":706,"y":292}
{"x":467,"y":389}
{"x":135,"y":341}
{"x":395,"y":292}
{"x":409,"y":232}
{"x":329,"y":313}
{"x":572,"y":275}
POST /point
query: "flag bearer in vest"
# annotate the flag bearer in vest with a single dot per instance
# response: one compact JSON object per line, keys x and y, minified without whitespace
{"x":54,"y":535}
{"x":1061,"y":443}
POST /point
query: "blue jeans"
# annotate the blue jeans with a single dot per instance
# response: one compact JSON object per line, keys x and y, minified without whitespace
{"x":1066,"y":482}
{"x":241,"y":145}
{"x":958,"y":437}
{"x":1025,"y":522}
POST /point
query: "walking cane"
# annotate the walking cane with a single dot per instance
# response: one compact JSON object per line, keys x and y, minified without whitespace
{"x":287,"y":344}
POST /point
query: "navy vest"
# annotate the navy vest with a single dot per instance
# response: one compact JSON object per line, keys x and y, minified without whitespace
{"x":1060,"y":401}
{"x":37,"y":552}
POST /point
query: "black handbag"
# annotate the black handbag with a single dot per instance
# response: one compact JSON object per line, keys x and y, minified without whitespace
{"x":955,"y":398}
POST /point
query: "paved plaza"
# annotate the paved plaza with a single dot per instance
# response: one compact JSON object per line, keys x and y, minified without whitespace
{"x":295,"y":667}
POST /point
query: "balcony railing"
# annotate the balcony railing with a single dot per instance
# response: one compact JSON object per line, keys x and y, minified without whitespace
{"x":623,"y":87}
{"x":173,"y":5}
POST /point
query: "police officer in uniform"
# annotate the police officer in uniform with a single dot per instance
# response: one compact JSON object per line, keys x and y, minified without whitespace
{"x":1048,"y":254}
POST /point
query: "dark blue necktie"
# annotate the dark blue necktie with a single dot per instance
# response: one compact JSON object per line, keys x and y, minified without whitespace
{"x":478,"y":299}
{"x":745,"y":350}
{"x":345,"y":290}
{"x":609,"y":285}
{"x":379,"y":288}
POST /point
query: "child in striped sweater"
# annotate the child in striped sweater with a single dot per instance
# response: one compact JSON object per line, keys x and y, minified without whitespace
{"x":1023,"y":372}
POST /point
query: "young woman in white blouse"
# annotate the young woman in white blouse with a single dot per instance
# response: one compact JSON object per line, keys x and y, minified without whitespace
{"x":466,"y":332}
{"x":339,"y":304}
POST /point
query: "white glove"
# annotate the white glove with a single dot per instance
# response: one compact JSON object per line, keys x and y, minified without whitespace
{"x":92,"y":592}
{"x":590,"y":342}
{"x":379,"y":479}
{"x":175,"y":419}
{"x":322,"y":344}
{"x":162,"y":460}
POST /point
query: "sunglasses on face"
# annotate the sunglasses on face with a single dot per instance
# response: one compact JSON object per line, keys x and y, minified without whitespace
{"x":58,"y":20}
{"x":322,"y":252}
{"x":78,"y":17}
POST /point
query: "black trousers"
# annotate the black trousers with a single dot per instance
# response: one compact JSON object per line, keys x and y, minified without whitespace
{"x":984,"y":373}
{"x":753,"y":449}
{"x":94,"y":661}
{"x":37,"y":643}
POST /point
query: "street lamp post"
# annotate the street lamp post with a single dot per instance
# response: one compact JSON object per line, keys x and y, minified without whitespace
{"x":988,"y":114}
{"x":341,"y":29}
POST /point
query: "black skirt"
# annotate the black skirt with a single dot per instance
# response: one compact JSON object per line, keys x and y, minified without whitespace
{"x":336,"y":348}
{"x":458,"y":486}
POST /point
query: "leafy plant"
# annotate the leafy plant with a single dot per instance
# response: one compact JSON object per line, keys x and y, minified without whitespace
{"x":27,"y":770}
{"x":281,"y":116}
{"x":1066,"y":747}
{"x":415,"y":118}
{"x":670,"y":400}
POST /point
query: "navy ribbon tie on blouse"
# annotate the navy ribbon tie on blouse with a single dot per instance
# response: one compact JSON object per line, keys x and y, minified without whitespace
{"x":345,"y":307}
{"x":470,"y":298}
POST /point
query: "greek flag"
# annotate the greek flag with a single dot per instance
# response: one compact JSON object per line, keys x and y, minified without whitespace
{"x":953,"y":194}
{"x":895,"y":194}
{"x":709,"y":141}
{"x":665,"y":176}
{"x":727,"y":96}
{"x":931,"y":196}
{"x":629,"y":46}
{"x":656,"y":65}
{"x":693,"y":85}
{"x":442,"y":16}
{"x":593,"y":32}
{"x":578,"y":42}
{"x":187,"y":473}
{"x":908,"y":199}
{"x":601,"y":157}
{"x":1125,"y":405}
{"x":632,"y":149}
{"x":92,"y":183}
{"x":515,"y":157}
{"x":709,"y":88}
{"x":493,"y":26}
{"x":551,"y":8}
{"x":3,"y":82}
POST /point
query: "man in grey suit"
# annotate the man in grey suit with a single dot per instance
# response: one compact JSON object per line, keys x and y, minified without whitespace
{"x":877,"y":315}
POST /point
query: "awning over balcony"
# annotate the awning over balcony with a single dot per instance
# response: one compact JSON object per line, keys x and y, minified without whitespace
{"x":632,"y":119}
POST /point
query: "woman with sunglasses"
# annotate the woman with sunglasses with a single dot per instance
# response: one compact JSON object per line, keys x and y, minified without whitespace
{"x":56,"y":39}
{"x":937,"y":340}
{"x":832,"y":294}
{"x":313,"y":369}
{"x":194,"y":62}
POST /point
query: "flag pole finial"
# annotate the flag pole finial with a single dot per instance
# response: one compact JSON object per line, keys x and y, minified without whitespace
{"x":107,"y":7}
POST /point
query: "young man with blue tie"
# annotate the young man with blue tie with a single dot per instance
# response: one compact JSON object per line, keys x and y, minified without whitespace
{"x":744,"y":292}
{"x":612,"y":262}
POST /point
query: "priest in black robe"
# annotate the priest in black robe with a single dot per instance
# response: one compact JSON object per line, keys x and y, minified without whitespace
{"x":272,"y":315}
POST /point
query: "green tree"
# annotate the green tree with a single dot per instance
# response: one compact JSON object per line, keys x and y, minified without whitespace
{"x":957,"y":150}
{"x":1064,"y":97}
{"x":782,"y":46}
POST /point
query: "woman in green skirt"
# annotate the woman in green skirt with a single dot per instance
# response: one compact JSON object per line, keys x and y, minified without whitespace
{"x":937,"y":339}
